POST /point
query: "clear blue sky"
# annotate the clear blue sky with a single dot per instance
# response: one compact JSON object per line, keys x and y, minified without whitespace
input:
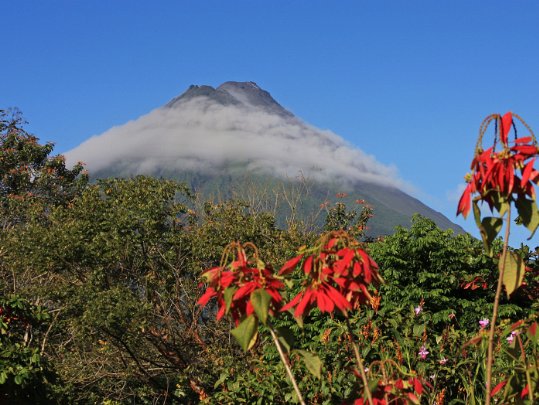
{"x":406,"y":81}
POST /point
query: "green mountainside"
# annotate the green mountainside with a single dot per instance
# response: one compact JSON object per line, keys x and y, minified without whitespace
{"x":302,"y":198}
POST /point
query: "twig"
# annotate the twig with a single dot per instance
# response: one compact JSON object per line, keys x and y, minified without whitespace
{"x":286,"y":366}
{"x":359,"y":363}
{"x":490,"y":352}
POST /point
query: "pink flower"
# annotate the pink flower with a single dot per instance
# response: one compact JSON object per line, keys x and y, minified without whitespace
{"x":423,"y":352}
{"x":511,"y":337}
{"x":442,"y":361}
{"x":418,"y":310}
{"x":484,"y":323}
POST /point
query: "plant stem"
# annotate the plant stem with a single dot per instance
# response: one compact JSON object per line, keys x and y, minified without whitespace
{"x":359,"y":363}
{"x":286,"y":366}
{"x":490,"y":352}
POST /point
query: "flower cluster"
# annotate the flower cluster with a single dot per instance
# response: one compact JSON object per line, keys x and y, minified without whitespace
{"x":483,"y":323}
{"x":511,"y":337}
{"x":495,"y":174}
{"x":235,"y":282}
{"x":337,"y":272}
{"x":423,"y":352}
{"x":399,"y":391}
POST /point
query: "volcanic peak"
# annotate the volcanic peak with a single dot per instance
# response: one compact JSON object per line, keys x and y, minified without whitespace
{"x":247,"y":94}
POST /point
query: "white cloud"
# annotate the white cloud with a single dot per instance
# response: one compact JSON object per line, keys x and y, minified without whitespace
{"x":203,"y":135}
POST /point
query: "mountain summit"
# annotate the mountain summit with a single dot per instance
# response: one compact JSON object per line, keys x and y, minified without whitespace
{"x":246,"y":94}
{"x":210,"y":137}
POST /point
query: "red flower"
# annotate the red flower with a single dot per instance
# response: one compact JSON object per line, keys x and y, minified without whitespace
{"x":495,"y":174}
{"x":234,"y":283}
{"x":338,"y":274}
{"x":398,"y":392}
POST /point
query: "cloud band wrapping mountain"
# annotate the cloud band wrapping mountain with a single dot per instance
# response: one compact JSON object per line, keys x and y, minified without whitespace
{"x":235,"y":125}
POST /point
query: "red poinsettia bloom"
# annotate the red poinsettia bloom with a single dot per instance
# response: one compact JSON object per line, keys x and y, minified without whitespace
{"x":234,"y":283}
{"x":505,"y":175}
{"x":338,"y":274}
{"x":398,"y":392}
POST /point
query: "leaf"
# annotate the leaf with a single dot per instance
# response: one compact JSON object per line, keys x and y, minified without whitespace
{"x":18,"y":379}
{"x":290,"y":265}
{"x":312,"y":362}
{"x":527,"y":172}
{"x":507,"y":120}
{"x":413,"y":398}
{"x":528,"y":214}
{"x":500,"y":203}
{"x":473,"y":341}
{"x":477,"y":213}
{"x":465,"y":202}
{"x":418,"y":387}
{"x":222,"y":379}
{"x":246,"y":332}
{"x":261,"y":300}
{"x":286,"y":338}
{"x":229,"y":293}
{"x":513,"y":274}
{"x":489,"y":228}
{"x":533,"y":332}
{"x":525,"y":391}
{"x":497,"y":388}
{"x":418,"y":330}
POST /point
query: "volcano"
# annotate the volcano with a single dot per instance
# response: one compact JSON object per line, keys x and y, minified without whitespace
{"x":236,"y":141}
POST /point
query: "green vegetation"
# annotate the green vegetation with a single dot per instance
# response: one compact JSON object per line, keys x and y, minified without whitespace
{"x":99,"y":286}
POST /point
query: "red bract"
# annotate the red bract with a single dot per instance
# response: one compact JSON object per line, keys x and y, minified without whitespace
{"x":338,"y":273}
{"x":501,"y":176}
{"x":397,"y":392}
{"x":234,"y":283}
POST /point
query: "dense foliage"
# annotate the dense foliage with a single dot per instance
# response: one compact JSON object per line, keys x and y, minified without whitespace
{"x":99,"y":286}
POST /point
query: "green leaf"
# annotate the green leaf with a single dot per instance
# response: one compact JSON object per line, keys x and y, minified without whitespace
{"x":286,"y":338}
{"x":528,"y":214}
{"x":312,"y":362}
{"x":299,"y":320}
{"x":418,"y":330}
{"x":489,"y":229}
{"x":477,"y":214}
{"x":373,"y":385}
{"x":513,"y":274}
{"x":500,"y":203}
{"x":261,"y":301}
{"x":222,"y":379}
{"x":246,"y":332}
{"x":18,"y":379}
{"x":229,"y":293}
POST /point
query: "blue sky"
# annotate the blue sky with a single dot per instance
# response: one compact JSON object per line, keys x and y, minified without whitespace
{"x":406,"y":81}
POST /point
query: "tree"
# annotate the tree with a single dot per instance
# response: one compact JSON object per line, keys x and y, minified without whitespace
{"x":29,"y":176}
{"x":450,"y":273}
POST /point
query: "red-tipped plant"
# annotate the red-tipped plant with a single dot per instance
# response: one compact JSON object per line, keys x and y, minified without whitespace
{"x":337,"y":274}
{"x":502,"y":176}
{"x":247,"y":290}
{"x":236,"y":284}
